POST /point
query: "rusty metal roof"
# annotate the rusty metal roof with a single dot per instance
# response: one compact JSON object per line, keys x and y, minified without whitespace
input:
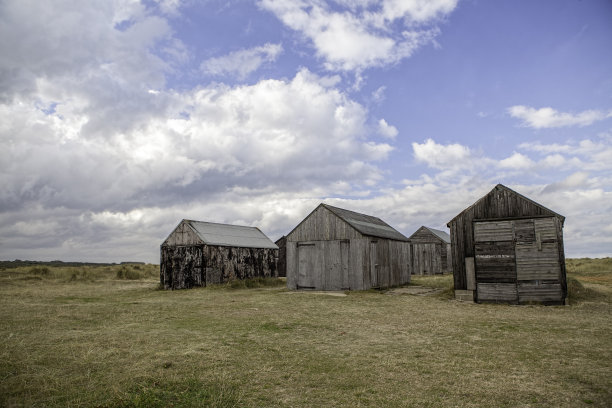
{"x":231,"y":235}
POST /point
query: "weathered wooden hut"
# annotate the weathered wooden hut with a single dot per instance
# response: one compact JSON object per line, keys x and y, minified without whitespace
{"x":338,"y":249}
{"x":281,"y":243}
{"x":507,"y":248}
{"x":200,"y":253}
{"x":430,"y":251}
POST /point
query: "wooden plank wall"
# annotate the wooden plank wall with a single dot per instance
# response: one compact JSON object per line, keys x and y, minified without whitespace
{"x":438,"y":253}
{"x":282,"y":256}
{"x":184,"y":267}
{"x":427,"y":258}
{"x":499,"y":203}
{"x":322,"y":225}
{"x":181,"y":267}
{"x":356,"y":264}
{"x":183,"y":234}
{"x":222,"y":264}
{"x":523,"y":254}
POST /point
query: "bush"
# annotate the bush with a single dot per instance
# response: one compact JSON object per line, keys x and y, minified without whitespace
{"x":40,"y":270}
{"x":128,"y":273}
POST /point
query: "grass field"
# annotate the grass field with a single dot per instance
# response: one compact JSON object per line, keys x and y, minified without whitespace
{"x":108,"y":337}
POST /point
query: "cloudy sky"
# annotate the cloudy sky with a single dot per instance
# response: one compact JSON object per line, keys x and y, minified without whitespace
{"x":119,"y":118}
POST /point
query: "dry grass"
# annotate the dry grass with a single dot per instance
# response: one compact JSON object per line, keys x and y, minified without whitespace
{"x":97,"y":340}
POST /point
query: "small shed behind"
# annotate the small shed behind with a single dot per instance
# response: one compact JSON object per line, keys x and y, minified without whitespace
{"x":430,"y":251}
{"x":507,"y":248}
{"x":200,"y":253}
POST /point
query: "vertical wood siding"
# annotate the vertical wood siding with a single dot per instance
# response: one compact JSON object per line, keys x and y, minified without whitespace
{"x":185,"y":267}
{"x":184,"y":235}
{"x":430,"y":253}
{"x":325,"y":253}
{"x":181,"y":267}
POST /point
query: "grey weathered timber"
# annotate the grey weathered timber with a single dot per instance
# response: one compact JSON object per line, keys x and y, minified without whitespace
{"x":517,"y":246}
{"x":430,"y":251}
{"x":338,"y":249}
{"x":202,"y":253}
{"x":281,"y":243}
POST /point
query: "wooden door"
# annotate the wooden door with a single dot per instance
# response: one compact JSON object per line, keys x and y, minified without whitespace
{"x":494,"y":261}
{"x":306,"y":266}
{"x":374,"y":279}
{"x":344,"y":264}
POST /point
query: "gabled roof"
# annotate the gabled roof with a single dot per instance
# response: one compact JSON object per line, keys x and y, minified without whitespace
{"x":544,"y":210}
{"x":230,"y":235}
{"x":367,"y":224}
{"x":444,"y":236}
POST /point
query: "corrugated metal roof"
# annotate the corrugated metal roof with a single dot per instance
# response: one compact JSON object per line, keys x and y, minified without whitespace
{"x":445,"y":236}
{"x":231,"y":235}
{"x":367,"y":224}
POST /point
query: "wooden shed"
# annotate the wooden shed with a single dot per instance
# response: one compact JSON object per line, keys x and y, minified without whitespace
{"x":200,"y":253}
{"x":337,"y":249}
{"x":281,"y":243}
{"x":507,"y":248}
{"x":430,"y":251}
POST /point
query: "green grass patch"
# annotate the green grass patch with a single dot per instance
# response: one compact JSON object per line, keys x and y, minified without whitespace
{"x":108,"y":342}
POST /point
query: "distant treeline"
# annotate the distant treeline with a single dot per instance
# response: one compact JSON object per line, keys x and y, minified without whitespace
{"x":18,"y":263}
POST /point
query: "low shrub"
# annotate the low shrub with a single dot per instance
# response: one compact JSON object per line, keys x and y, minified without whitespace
{"x":125,"y":272}
{"x":40,"y":270}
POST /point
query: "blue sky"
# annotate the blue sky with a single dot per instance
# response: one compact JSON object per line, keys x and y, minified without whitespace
{"x":120,"y":118}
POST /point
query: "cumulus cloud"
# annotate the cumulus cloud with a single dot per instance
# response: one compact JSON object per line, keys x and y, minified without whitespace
{"x":516,"y":161}
{"x":442,"y":156}
{"x":547,"y":117}
{"x":243,"y":62}
{"x":100,"y":158}
{"x":356,"y":35}
{"x":571,"y":182}
{"x":386,"y":130}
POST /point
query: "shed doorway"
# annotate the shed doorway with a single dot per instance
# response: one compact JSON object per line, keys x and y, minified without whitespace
{"x":306,"y":265}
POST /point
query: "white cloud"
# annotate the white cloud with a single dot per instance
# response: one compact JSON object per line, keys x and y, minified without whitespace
{"x":362,"y":35}
{"x":243,"y":62}
{"x":386,"y":130}
{"x":547,"y":117}
{"x":516,"y":161}
{"x":443,"y":156}
{"x":576,"y":180}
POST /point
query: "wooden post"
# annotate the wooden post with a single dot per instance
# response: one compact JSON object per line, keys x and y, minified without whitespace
{"x":470,"y":273}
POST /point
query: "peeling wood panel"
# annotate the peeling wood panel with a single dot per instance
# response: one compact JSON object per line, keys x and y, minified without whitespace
{"x":497,"y":292}
{"x":493,"y":231}
{"x":524,"y":230}
{"x":533,"y":263}
{"x":547,"y":229}
{"x":542,"y":292}
{"x":184,"y":267}
{"x":181,"y":267}
{"x":223,"y":264}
